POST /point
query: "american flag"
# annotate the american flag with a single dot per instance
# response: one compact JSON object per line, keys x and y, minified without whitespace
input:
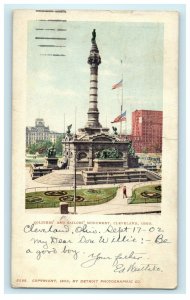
{"x":117,"y":85}
{"x":120,"y":118}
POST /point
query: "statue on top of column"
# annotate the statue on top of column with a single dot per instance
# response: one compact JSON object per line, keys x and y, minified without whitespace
{"x":93,"y":35}
{"x":94,"y":58}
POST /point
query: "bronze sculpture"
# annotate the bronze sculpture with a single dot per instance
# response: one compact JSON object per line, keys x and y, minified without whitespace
{"x":51,"y":152}
{"x":93,"y":35}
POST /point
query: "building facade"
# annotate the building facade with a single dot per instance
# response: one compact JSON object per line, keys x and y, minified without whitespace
{"x":147,"y":131}
{"x":40,"y":132}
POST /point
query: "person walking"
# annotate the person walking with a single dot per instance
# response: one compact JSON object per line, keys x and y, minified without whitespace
{"x":124,"y":192}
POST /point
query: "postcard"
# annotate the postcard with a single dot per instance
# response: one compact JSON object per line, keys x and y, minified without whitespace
{"x":94,"y":149}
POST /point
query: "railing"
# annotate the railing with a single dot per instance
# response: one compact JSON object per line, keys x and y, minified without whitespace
{"x":61,"y":187}
{"x":51,"y":188}
{"x":154,"y":174}
{"x":153,"y":200}
{"x":95,"y":202}
{"x":43,"y":205}
{"x":157,"y":182}
{"x":71,"y":204}
{"x":145,"y":183}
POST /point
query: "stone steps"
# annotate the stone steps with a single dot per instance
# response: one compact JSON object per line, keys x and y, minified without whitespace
{"x":60,"y":179}
{"x":66,"y":178}
{"x":114,"y":177}
{"x":152,"y":175}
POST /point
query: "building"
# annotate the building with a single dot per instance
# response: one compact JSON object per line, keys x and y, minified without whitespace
{"x":40,"y":132}
{"x":147,"y":131}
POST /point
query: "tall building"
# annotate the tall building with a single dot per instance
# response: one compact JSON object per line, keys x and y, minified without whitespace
{"x":147,"y":131}
{"x":40,"y":132}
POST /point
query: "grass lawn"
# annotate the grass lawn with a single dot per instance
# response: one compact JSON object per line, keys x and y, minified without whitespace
{"x":40,"y":160}
{"x":149,"y":192}
{"x":84,"y":197}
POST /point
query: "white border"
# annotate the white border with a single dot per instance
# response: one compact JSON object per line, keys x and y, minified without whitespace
{"x":163,"y":296}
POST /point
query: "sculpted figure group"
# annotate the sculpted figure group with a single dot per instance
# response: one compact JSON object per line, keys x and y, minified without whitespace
{"x":51,"y":152}
{"x":111,"y":153}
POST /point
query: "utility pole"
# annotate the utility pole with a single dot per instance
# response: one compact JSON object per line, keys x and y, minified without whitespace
{"x":121,"y":96}
{"x":75,"y":161}
{"x":75,"y":181}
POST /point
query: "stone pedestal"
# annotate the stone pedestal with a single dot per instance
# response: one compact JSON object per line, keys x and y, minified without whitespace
{"x":107,"y":165}
{"x":133,"y":162}
{"x":64,"y":208}
{"x":52,"y":163}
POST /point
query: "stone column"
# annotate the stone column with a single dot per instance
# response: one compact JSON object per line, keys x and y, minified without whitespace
{"x":90,"y":164}
{"x":94,"y":60}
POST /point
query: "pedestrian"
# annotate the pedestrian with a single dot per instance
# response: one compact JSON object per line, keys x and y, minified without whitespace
{"x":124,"y":192}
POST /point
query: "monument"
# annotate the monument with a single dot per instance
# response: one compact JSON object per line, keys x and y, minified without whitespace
{"x":93,"y":125}
{"x":39,"y":169}
{"x":92,"y":148}
{"x":51,"y":158}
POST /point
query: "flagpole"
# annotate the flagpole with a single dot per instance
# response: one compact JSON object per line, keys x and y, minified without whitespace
{"x":126,"y":127}
{"x":64,"y":125}
{"x":75,"y":167}
{"x":75,"y":119}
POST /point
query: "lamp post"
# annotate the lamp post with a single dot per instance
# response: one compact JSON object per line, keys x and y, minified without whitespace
{"x":75,"y":181}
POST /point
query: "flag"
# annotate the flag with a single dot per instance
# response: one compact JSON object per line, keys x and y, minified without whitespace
{"x":117,"y":85}
{"x":120,"y":118}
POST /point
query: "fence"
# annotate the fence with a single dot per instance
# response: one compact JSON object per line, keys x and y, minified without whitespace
{"x":51,"y":188}
{"x":100,"y":201}
{"x":42,"y":205}
{"x":71,"y":204}
{"x":133,"y":196}
{"x":66,"y":188}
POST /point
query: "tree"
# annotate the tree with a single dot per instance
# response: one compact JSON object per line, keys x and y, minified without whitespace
{"x":32,"y":149}
{"x":58,"y":145}
{"x":40,"y":147}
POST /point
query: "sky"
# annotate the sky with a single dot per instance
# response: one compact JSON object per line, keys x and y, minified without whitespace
{"x":59,"y":85}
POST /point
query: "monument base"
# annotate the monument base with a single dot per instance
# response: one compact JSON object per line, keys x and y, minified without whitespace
{"x":92,"y":130}
{"x":38,"y":170}
{"x":107,"y":165}
{"x":52,"y":163}
{"x":133,"y":162}
{"x":115,"y":177}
